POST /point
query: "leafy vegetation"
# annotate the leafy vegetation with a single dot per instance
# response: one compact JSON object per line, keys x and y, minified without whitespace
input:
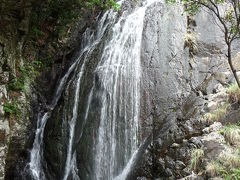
{"x":45,"y":26}
{"x":56,"y":15}
{"x":11,"y":108}
{"x":28,"y":71}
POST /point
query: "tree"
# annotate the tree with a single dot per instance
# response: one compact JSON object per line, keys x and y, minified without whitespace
{"x":228,"y":14}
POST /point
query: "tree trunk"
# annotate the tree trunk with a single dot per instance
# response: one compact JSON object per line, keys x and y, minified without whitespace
{"x":229,"y":56}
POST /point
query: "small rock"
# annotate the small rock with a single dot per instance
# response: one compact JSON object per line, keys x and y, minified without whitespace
{"x":196,"y":141}
{"x":212,"y":106}
{"x":217,"y":88}
{"x":175,"y":145}
{"x":2,"y":136}
{"x":3,"y":92}
{"x":185,"y":141}
{"x":169,"y":162}
{"x":168,"y":172}
{"x":4,"y":77}
{"x":214,"y":127}
{"x":193,"y":176}
{"x":161,"y":163}
{"x":2,"y":112}
{"x":180,"y":165}
{"x":141,"y":178}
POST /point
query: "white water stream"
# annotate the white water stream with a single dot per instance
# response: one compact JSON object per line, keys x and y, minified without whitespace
{"x":120,"y":73}
{"x":36,"y":154}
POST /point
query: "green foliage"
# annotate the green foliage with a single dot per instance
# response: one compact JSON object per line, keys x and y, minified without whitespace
{"x":11,"y":108}
{"x":234,"y":175}
{"x":56,"y":15}
{"x":36,"y":31}
{"x":28,"y":71}
{"x":16,"y":84}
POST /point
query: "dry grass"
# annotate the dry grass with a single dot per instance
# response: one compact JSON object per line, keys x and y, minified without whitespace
{"x":226,"y":166}
{"x":230,"y":160}
{"x":217,"y":114}
{"x":190,"y":41}
{"x":214,"y":169}
{"x":231,"y":134}
{"x":197,"y":157}
{"x":234,"y":93}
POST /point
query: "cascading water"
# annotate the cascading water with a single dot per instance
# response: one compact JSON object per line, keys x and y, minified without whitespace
{"x":36,"y":154}
{"x":118,"y":74}
{"x":119,"y":71}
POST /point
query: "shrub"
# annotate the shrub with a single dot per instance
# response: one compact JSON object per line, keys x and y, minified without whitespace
{"x":11,"y":108}
{"x":28,"y":71}
{"x":16,"y":85}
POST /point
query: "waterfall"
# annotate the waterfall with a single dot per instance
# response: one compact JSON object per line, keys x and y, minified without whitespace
{"x":118,"y":74}
{"x":36,"y":154}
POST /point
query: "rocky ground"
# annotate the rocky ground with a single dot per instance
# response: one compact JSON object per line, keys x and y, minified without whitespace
{"x":212,"y":151}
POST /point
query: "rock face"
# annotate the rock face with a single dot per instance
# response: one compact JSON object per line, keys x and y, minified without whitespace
{"x":14,"y":115}
{"x":177,"y":88}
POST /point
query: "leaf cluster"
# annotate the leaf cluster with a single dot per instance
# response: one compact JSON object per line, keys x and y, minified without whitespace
{"x":28,"y":71}
{"x":11,"y":108}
